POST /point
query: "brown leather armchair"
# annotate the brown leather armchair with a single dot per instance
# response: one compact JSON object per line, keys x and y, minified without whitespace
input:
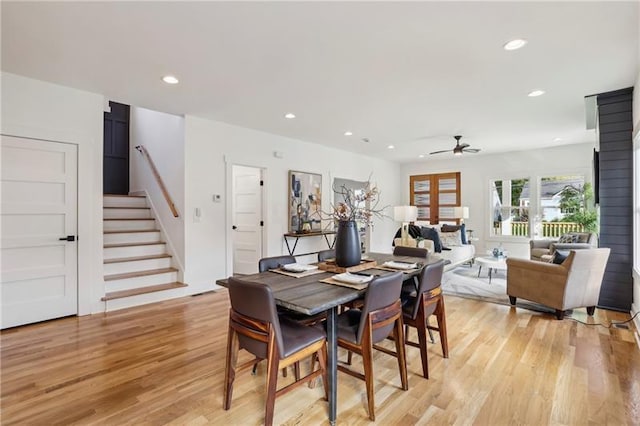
{"x":573,"y":284}
{"x":540,"y":248}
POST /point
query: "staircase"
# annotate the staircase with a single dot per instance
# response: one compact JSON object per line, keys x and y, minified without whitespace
{"x":137,"y":267}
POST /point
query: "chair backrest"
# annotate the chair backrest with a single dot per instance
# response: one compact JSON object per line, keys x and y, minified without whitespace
{"x":254,"y":301}
{"x":410,"y":251}
{"x":274,"y":262}
{"x":381,"y":293}
{"x":326,"y":254}
{"x":430,"y":277}
{"x":586,"y":270}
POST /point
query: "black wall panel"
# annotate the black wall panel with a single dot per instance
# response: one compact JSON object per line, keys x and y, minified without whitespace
{"x":615,"y":125}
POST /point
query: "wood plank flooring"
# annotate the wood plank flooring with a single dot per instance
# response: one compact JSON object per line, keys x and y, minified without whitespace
{"x":164,"y":364}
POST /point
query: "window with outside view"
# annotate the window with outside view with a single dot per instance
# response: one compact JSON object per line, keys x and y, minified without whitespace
{"x":510,"y":212}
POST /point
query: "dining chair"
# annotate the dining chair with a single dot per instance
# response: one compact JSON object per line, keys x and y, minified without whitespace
{"x":254,"y":325}
{"x":410,"y":251}
{"x":274,"y":262}
{"x":325,"y":255}
{"x":360,"y":329}
{"x":419,"y":306}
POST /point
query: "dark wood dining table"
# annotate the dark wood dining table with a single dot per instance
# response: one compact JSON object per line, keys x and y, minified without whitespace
{"x":309,"y":296}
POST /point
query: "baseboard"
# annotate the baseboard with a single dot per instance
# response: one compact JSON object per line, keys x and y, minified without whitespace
{"x":634,"y":310}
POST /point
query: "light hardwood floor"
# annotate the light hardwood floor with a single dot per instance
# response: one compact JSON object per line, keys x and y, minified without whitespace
{"x":164,"y":364}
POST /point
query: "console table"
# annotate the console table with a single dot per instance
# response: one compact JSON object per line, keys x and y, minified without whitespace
{"x":297,"y":237}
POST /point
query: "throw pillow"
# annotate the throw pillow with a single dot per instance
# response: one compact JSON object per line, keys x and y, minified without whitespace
{"x":568,"y":239}
{"x":582,"y":237}
{"x":431,"y":234}
{"x":559,"y":256}
{"x":450,"y":239}
{"x":454,"y":228}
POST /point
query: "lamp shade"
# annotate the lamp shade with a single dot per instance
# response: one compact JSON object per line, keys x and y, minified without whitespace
{"x":461,"y":212}
{"x":405,"y":213}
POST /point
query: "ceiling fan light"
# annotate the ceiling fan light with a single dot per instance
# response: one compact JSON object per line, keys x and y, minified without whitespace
{"x":455,"y":152}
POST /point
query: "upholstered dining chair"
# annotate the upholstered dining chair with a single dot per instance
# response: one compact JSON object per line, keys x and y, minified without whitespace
{"x":419,"y":306}
{"x":254,"y":325}
{"x":325,"y":255}
{"x":274,"y":262}
{"x":360,"y":329}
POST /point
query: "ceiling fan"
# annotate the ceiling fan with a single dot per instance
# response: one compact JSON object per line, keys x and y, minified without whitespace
{"x":459,"y":148}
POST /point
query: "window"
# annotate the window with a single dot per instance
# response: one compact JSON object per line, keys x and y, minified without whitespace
{"x":436,"y":196}
{"x":566,"y":205}
{"x":510,"y":200}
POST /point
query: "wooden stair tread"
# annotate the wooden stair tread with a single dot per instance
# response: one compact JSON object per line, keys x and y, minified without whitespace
{"x":122,"y":195}
{"x":141,"y":290}
{"x":129,"y":218}
{"x":135,"y":258}
{"x":131,"y":231}
{"x":139,"y":274}
{"x":132,"y":244}
{"x":139,"y":208}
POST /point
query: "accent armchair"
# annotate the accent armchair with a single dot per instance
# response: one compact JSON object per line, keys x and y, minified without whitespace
{"x":573,"y":284}
{"x":541,"y":250}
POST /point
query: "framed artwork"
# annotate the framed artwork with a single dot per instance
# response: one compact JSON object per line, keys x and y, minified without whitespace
{"x":305,"y":202}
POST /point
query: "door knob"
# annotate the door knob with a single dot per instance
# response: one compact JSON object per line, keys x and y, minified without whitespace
{"x":68,"y":238}
{"x":234,"y":227}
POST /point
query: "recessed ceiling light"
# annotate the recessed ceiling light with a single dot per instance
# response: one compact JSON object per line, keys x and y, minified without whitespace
{"x":169,"y":79}
{"x":557,"y":139}
{"x":536,"y":93}
{"x":289,"y":115}
{"x":515,"y":44}
{"x":391,"y":147}
{"x":421,"y":156}
{"x":347,"y":133}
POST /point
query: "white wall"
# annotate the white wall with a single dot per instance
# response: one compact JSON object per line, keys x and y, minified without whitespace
{"x":478,"y":170}
{"x":211,"y":147}
{"x":36,"y":109}
{"x":162,"y":135}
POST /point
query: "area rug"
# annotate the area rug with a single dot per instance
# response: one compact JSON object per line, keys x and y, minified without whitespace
{"x":463,"y":281}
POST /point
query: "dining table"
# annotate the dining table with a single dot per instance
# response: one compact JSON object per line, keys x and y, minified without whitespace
{"x":309,"y":296}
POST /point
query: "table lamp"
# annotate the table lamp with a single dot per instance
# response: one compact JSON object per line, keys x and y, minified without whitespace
{"x":405,"y":214}
{"x":461,"y":213}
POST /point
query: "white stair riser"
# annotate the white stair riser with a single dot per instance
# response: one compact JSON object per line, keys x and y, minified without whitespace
{"x":133,"y":251}
{"x":143,"y":299}
{"x":136,"y":265}
{"x":127,"y":213}
{"x":137,"y":282}
{"x":124,"y":202}
{"x":132,"y":237}
{"x":127,"y":225}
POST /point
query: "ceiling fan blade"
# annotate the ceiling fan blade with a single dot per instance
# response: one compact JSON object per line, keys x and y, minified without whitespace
{"x":464,"y":145}
{"x":471,"y":150}
{"x":439,"y":152}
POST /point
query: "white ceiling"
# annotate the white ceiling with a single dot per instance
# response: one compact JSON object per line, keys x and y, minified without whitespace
{"x":408,"y":74}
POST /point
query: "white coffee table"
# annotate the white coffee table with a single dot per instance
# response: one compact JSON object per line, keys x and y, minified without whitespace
{"x":493,"y":263}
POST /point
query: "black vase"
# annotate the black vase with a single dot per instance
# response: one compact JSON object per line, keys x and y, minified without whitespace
{"x":347,"y":244}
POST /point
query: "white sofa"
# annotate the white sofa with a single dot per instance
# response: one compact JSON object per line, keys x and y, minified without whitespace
{"x":457,"y":255}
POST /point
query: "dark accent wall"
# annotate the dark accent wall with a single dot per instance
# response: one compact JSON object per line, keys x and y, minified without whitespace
{"x":616,"y":196}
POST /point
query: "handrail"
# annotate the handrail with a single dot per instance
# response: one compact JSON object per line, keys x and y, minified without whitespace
{"x":167,"y":197}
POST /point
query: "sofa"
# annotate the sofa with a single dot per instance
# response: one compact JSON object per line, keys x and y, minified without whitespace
{"x":543,"y":250}
{"x":574,"y":283}
{"x":444,"y":241}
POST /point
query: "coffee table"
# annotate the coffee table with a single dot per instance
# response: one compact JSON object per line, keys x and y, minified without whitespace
{"x":493,"y":263}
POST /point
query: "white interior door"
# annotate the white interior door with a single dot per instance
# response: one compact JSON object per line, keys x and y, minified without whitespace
{"x":247,"y":217}
{"x":39,"y":278}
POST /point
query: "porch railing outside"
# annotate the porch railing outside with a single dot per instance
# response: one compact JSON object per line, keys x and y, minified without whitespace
{"x":549,"y":229}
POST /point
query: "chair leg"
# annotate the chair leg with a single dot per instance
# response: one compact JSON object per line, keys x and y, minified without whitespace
{"x":230,"y":367}
{"x":591,"y":310}
{"x":367,"y":361}
{"x":442,"y":327}
{"x":422,"y":342}
{"x":272,"y":380}
{"x":349,"y":357}
{"x":433,"y":341}
{"x":512,"y":300}
{"x":322,"y":360}
{"x":296,"y":370}
{"x":401,"y":354}
{"x":284,"y":372}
